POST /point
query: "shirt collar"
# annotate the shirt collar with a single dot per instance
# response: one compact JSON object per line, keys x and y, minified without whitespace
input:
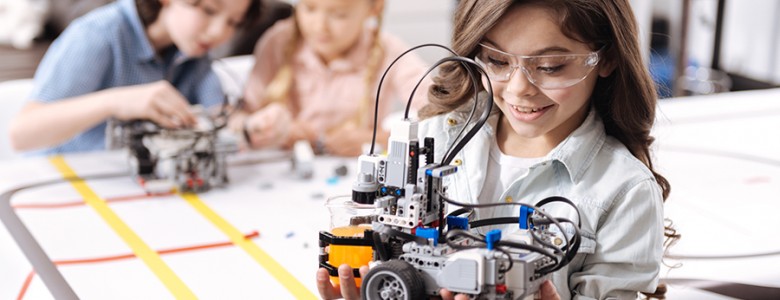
{"x":142,"y":48}
{"x":578,"y":150}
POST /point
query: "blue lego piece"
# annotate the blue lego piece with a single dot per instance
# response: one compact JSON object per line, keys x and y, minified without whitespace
{"x":429,"y":233}
{"x":492,"y":237}
{"x":455,"y":222}
{"x":525,"y":214}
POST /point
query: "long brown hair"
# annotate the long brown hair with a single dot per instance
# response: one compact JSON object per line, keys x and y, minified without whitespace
{"x":625,"y":100}
{"x":280,"y":87}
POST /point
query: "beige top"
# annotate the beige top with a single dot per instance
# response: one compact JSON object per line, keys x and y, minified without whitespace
{"x":327,"y":96}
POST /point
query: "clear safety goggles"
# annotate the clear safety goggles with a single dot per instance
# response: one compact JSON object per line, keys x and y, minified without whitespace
{"x":555,"y":71}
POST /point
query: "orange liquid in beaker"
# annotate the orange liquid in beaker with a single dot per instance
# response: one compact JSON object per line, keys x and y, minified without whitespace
{"x":354,"y":256}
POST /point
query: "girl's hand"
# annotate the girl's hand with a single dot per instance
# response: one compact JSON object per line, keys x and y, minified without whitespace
{"x":347,"y":289}
{"x":546,"y":292}
{"x":269,"y":126}
{"x":158,"y":102}
{"x":346,"y":141}
{"x":447,"y":295}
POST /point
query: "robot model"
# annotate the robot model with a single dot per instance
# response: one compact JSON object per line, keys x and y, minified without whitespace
{"x":414,"y":250}
{"x":396,"y":223}
{"x":164,"y":160}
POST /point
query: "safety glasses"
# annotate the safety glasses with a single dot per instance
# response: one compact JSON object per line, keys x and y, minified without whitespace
{"x":544,"y":71}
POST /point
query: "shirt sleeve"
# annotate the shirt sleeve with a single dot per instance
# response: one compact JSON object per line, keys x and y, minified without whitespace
{"x":269,"y":55}
{"x":77,"y":63}
{"x":628,"y":255}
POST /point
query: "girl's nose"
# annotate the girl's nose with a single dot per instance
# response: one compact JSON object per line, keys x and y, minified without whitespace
{"x":519,"y":83}
{"x":218,"y":30}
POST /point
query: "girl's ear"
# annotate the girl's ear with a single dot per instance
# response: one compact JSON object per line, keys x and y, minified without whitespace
{"x":378,"y":7}
{"x":606,"y":68}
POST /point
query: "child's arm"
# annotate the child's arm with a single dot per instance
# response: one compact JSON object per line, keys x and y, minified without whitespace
{"x":269,"y":54}
{"x":41,"y":125}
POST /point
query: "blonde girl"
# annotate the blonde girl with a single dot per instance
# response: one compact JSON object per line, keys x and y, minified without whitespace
{"x":316,"y":74}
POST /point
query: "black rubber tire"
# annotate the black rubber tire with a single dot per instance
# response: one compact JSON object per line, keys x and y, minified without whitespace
{"x":395,"y":279}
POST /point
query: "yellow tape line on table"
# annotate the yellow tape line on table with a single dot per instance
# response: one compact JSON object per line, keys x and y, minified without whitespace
{"x":150,"y":257}
{"x":272,"y":266}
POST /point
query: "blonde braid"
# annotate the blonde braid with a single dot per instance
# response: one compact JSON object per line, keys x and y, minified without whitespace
{"x":279,"y":89}
{"x":374,"y":61}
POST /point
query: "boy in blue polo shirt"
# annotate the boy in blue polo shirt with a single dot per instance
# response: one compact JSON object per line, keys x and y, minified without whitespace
{"x":142,"y":59}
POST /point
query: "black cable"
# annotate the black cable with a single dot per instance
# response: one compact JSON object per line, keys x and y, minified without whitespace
{"x":572,"y":246}
{"x":470,"y":66}
{"x":402,"y":235}
{"x":508,"y":258}
{"x":493,"y":221}
{"x":471,"y":113}
{"x":382,"y":79}
{"x":460,"y":211}
{"x":379,"y":247}
{"x":553,"y":199}
{"x":514,"y":220}
{"x":502,"y":243}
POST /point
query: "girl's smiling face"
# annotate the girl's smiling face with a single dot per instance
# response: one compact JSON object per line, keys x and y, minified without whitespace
{"x":534,"y":118}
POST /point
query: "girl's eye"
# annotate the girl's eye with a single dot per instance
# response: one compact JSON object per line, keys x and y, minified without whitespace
{"x":496,"y":61}
{"x":210,"y":11}
{"x":550,"y":69}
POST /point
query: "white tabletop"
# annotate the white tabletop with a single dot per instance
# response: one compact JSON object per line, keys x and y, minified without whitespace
{"x":721,"y":154}
{"x":288,"y":212}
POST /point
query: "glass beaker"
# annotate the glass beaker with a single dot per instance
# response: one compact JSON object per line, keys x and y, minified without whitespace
{"x":349,"y":219}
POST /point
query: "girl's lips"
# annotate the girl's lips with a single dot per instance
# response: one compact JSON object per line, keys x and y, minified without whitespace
{"x":528,"y":114}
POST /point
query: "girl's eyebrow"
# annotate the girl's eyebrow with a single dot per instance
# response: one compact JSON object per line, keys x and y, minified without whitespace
{"x":543,"y":51}
{"x":218,"y":3}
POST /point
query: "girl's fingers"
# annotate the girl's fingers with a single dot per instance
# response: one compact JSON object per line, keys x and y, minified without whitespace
{"x":348,"y":288}
{"x":326,"y":289}
{"x":159,"y":118}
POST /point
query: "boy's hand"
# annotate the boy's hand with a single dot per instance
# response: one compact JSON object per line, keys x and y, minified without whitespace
{"x":158,"y":102}
{"x":347,"y":289}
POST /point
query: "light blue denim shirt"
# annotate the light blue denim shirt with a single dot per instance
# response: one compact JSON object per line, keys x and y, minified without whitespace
{"x":618,"y":198}
{"x":108,"y":48}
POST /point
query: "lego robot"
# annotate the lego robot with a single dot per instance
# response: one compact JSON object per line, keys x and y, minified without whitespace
{"x":416,"y":250}
{"x":165,"y":160}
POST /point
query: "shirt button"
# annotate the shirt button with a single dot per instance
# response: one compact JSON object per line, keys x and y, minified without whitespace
{"x":452,"y":122}
{"x":457,"y":162}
